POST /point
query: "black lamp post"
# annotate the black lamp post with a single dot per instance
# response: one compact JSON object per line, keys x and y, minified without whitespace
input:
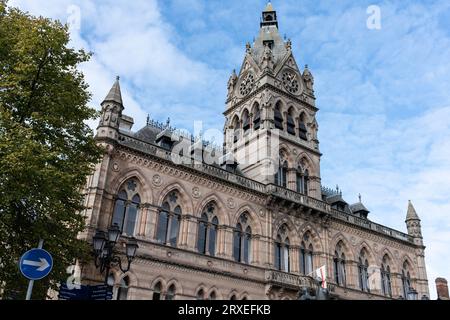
{"x":412,"y":294}
{"x":105,"y":257}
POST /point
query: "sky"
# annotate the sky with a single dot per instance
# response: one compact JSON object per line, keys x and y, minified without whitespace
{"x":382,"y":86}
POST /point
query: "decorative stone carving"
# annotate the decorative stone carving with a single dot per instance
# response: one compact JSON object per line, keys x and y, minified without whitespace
{"x":157,"y":180}
{"x":196,"y":192}
{"x":231,"y":203}
{"x":116,"y":167}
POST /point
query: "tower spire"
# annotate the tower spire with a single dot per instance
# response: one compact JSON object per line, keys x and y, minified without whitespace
{"x":411,"y":214}
{"x":115,"y":94}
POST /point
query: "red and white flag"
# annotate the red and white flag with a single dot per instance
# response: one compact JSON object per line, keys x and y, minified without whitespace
{"x":321,"y":274}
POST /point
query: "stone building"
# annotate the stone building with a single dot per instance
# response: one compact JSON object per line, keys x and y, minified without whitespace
{"x":254,"y":223}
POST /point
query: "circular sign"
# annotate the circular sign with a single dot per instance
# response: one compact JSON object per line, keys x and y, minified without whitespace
{"x":36,"y":264}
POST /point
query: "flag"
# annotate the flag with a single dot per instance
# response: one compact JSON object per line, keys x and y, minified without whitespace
{"x":321,"y":274}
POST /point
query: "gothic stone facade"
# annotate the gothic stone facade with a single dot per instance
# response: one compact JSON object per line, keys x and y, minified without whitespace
{"x":236,"y":229}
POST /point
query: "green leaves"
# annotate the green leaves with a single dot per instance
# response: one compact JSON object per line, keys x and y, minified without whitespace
{"x":46,"y":149}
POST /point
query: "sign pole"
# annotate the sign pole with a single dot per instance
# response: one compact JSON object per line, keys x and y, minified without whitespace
{"x":31,"y":283}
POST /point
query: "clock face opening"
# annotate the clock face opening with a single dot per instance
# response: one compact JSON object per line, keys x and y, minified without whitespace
{"x":247,"y":84}
{"x":290,"y":82}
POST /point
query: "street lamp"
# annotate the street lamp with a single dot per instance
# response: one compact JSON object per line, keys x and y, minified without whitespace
{"x":105,"y":257}
{"x":412,"y":294}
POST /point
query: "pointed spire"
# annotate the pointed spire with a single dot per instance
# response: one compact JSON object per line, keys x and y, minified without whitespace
{"x":269,"y":7}
{"x":411,"y":214}
{"x":114,"y":95}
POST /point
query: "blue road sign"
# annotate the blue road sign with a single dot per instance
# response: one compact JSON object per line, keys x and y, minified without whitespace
{"x":101,"y":292}
{"x":36,"y":264}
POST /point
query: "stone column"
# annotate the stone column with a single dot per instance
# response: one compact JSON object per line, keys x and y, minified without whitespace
{"x":292,"y":179}
{"x":150,"y":223}
{"x":294,"y":263}
{"x":255,"y":249}
{"x":188,"y":233}
{"x":226,"y":242}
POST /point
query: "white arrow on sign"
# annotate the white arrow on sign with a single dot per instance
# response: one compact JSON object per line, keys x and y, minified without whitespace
{"x":42,"y":264}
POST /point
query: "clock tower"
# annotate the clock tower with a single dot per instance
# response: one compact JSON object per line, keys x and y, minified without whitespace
{"x":270,"y":117}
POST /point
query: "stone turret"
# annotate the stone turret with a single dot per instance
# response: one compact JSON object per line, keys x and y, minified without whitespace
{"x":112,"y":107}
{"x":413,"y":223}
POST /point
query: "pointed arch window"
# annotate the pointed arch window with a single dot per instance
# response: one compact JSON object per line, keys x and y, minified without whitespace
{"x":339,"y":265}
{"x":406,"y":279}
{"x":169,"y":220}
{"x":282,"y":254}
{"x":213,"y":296}
{"x":122,"y":292}
{"x":306,"y":255}
{"x":157,"y":291}
{"x":171,"y":292}
{"x":290,"y":123}
{"x":281,"y":175}
{"x":386,"y":284}
{"x":302,"y":179}
{"x":363,"y":272}
{"x":207,"y":230}
{"x":236,"y":129}
{"x":246,"y":122}
{"x":303,"y":132}
{"x":278,"y":117}
{"x":126,"y":208}
{"x":242,"y":235}
{"x":200,"y":295}
{"x":256,"y":118}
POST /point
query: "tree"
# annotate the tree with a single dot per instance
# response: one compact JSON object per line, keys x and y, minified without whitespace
{"x":46,"y":148}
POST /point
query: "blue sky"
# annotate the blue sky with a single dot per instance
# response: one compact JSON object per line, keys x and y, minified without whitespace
{"x":384,"y":95}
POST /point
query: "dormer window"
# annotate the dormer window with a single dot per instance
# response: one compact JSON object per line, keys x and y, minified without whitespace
{"x":269,"y":43}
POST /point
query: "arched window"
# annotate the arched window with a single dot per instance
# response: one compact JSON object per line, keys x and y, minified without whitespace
{"x":200,"y":295}
{"x":303,"y":132}
{"x":242,"y":240}
{"x":306,"y":255}
{"x":233,"y":297}
{"x":291,"y":123}
{"x":302,"y":180}
{"x":122,"y":291}
{"x":171,"y":292}
{"x":213,"y":296}
{"x":256,"y":117}
{"x":306,"y":182}
{"x":236,"y":126}
{"x":363,"y":271}
{"x":207,"y":230}
{"x":406,"y":279}
{"x":281,"y":175}
{"x":169,"y":220}
{"x":246,"y":121}
{"x":157,"y":291}
{"x":282,"y":254}
{"x":386,"y":284}
{"x":339,"y":265}
{"x":278,"y":117}
{"x":126,"y":208}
